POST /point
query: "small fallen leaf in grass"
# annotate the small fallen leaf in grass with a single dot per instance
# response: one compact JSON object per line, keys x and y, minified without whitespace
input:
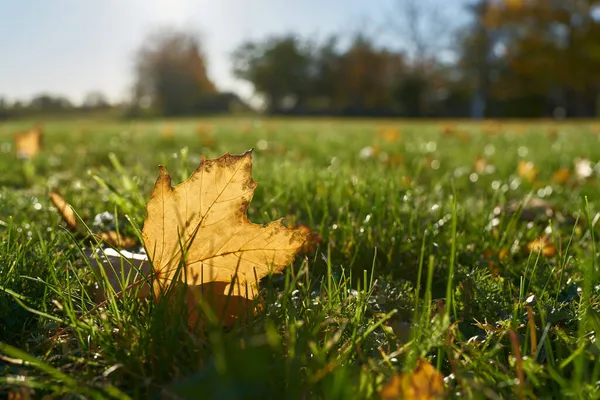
{"x":65,"y":210}
{"x":495,"y":258}
{"x":448,"y":130}
{"x":29,"y":144}
{"x":116,"y":239}
{"x":391,"y":135}
{"x":424,"y":383}
{"x":202,"y":129}
{"x":552,"y":133}
{"x":395,"y":159}
{"x":201,"y":225}
{"x":527,"y":170}
{"x":543,"y":246}
{"x":111,"y":237}
{"x":492,"y":128}
{"x":479,"y":165}
{"x":313,"y":239}
{"x":463,"y":136}
{"x":167,"y":131}
{"x":562,"y":175}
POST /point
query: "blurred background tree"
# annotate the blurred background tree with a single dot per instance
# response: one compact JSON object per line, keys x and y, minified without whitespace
{"x":171,"y":77}
{"x":503,"y":58}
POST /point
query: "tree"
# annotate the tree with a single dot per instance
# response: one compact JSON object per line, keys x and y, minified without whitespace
{"x":552,"y":54}
{"x":171,"y":76}
{"x":421,"y":27}
{"x":49,"y":103}
{"x":95,"y":100}
{"x":278,"y":68}
{"x":366,"y":75}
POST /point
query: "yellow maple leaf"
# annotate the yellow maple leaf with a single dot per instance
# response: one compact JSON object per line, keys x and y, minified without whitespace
{"x":527,"y":170}
{"x":201,"y":227}
{"x":29,"y":144}
{"x":424,"y":383}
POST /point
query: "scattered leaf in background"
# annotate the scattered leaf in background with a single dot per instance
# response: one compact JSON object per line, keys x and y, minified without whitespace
{"x":495,"y":258}
{"x":543,"y":246}
{"x":391,"y":135}
{"x":479,"y":164}
{"x":492,"y":128}
{"x":424,"y":383}
{"x":527,"y":170}
{"x":448,"y":130}
{"x":562,"y":175}
{"x":116,"y":239}
{"x":167,"y":131}
{"x":463,"y":136}
{"x":203,"y":129}
{"x":202,"y":225}
{"x":395,"y":159}
{"x":29,"y":144}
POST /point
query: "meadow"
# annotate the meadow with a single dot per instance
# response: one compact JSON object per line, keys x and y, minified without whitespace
{"x":471,"y":245}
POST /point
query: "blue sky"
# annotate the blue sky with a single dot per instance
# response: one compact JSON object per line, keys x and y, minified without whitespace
{"x":71,"y":47}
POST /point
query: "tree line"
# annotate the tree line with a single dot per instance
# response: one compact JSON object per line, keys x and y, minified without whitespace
{"x":514,"y":58}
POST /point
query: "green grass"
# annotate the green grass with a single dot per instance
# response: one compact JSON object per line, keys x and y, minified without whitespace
{"x":420,"y":257}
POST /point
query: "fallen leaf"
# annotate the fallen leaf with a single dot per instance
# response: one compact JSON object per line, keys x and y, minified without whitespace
{"x":448,"y":130}
{"x":29,"y":144}
{"x":167,"y":131}
{"x":65,"y":210}
{"x":391,"y":135}
{"x":313,"y":239}
{"x":201,"y":225}
{"x":116,"y":239}
{"x":479,"y":165}
{"x":463,"y":136}
{"x":562,"y":175}
{"x":527,"y":170}
{"x":424,"y":383}
{"x":543,"y":246}
{"x":110,"y":237}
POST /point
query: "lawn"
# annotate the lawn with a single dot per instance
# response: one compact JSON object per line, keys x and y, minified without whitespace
{"x":469,"y":245}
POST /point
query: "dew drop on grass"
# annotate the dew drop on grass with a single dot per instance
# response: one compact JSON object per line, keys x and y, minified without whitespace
{"x":435,"y":164}
{"x":473,"y":177}
{"x":496,"y":185}
{"x":435,"y":207}
{"x":37,"y":206}
{"x":367,"y":218}
{"x":334,"y":226}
